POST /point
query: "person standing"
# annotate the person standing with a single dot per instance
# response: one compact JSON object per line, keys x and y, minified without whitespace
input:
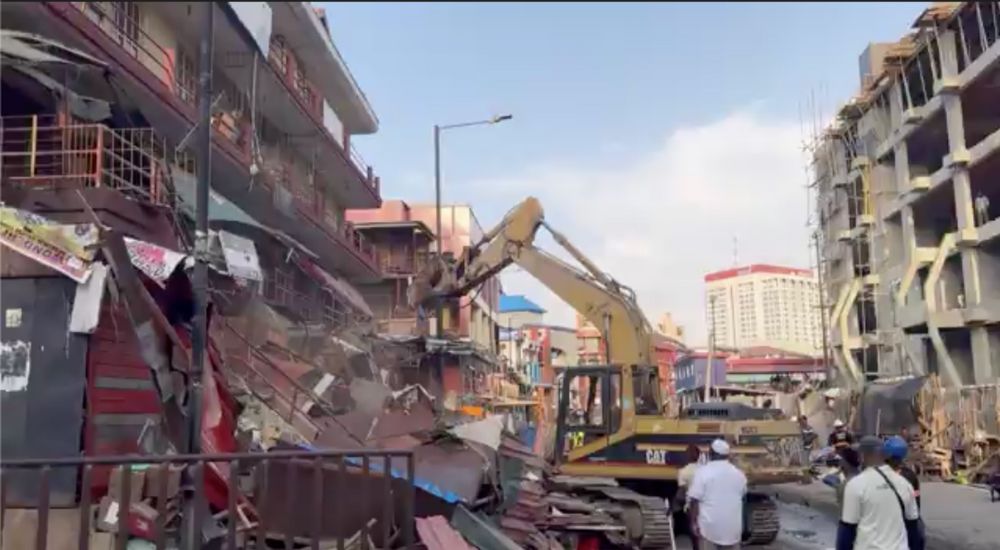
{"x":895,"y":450}
{"x":982,"y":205}
{"x":850,"y":465}
{"x":840,"y":438}
{"x":880,"y":511}
{"x":808,"y":434}
{"x":692,"y":456}
{"x":716,"y":495}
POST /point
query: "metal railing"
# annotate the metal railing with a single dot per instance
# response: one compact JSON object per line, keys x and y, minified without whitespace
{"x":37,"y":151}
{"x":118,"y":20}
{"x":314,"y":498}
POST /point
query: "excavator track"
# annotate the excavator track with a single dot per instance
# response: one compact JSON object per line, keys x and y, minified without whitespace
{"x":648,"y":520}
{"x":762,"y":520}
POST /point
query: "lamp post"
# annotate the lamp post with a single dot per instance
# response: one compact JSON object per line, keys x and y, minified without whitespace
{"x":439,"y":309}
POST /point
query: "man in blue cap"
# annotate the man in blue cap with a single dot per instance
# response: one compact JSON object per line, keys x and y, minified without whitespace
{"x":895,"y":450}
{"x":879,"y":512}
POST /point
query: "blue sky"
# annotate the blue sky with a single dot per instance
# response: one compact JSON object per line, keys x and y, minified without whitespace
{"x":654,"y":133}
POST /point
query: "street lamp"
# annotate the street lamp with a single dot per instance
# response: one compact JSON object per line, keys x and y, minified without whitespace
{"x":496,"y":119}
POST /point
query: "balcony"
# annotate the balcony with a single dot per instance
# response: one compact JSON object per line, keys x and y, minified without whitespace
{"x":39,"y":152}
{"x":293,"y":194}
{"x":177,"y":71}
{"x":400,"y":264}
{"x":291,"y":73}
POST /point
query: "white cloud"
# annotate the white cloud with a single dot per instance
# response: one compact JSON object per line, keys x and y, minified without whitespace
{"x":659,"y":223}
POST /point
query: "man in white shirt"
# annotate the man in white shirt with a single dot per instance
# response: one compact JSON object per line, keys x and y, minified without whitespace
{"x":880,"y":511}
{"x":716,"y":495}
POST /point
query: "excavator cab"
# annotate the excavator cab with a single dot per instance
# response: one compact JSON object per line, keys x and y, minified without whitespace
{"x":590,"y":403}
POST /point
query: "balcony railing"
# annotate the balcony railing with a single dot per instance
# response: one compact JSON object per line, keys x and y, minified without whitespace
{"x":309,"y":203}
{"x":38,"y":151}
{"x":394,"y":264}
{"x":120,"y":21}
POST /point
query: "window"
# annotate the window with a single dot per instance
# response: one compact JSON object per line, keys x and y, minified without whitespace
{"x":186,"y":76}
{"x":126,"y":19}
{"x":278,"y":53}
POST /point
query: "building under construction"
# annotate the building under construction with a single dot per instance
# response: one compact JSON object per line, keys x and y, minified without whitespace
{"x":907,"y":182}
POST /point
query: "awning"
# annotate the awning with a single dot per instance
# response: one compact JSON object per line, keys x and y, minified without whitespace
{"x":34,"y":48}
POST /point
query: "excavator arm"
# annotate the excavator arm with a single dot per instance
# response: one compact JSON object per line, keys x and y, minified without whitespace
{"x":608,"y":304}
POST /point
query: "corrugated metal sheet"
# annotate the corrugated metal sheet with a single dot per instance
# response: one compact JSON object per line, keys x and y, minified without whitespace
{"x":44,"y":376}
{"x":436,"y":534}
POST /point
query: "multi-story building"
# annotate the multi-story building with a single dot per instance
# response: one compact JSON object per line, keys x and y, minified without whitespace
{"x":669,"y":328}
{"x":102,"y":97}
{"x":516,"y":310}
{"x":590,"y":343}
{"x":530,"y":346}
{"x":401,"y":245}
{"x":764,"y":305}
{"x":907,"y":181}
{"x":591,"y":350}
{"x":469,"y":345}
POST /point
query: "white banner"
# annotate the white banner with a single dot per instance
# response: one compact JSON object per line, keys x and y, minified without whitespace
{"x":156,"y":262}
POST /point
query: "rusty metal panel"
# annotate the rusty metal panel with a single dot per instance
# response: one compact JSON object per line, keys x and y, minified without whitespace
{"x":44,"y":375}
{"x":351,"y":499}
{"x":452,"y":472}
{"x":436,"y":534}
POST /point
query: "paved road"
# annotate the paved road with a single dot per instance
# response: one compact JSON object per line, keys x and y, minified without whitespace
{"x":802,"y":528}
{"x":956,"y":516}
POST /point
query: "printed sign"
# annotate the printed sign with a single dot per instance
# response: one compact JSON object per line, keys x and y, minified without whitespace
{"x":12,"y":317}
{"x":79,"y":240}
{"x":241,"y":256}
{"x":35,"y":247}
{"x":155,"y":261}
{"x":656,"y":456}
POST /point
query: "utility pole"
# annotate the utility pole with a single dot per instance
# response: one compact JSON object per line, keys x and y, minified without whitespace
{"x":711,"y":349}
{"x":199,"y":333}
{"x":439,"y":306}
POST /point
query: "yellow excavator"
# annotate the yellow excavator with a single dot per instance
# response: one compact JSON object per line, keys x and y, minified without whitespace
{"x":620,"y":429}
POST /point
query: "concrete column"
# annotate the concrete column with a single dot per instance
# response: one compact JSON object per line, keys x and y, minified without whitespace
{"x":953,"y":119}
{"x":901,"y":157}
{"x":909,"y":234}
{"x":949,"y":55}
{"x":896,"y":105}
{"x":963,"y":199}
{"x":982,"y":368}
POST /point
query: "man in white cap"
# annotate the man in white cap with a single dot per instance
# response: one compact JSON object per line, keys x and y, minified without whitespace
{"x":716,"y":497}
{"x":840,"y":438}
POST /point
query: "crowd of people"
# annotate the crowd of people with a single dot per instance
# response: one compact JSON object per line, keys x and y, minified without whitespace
{"x":879,"y":496}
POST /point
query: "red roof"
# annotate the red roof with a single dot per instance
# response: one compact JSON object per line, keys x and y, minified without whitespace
{"x":775,"y":365}
{"x":757,"y":268}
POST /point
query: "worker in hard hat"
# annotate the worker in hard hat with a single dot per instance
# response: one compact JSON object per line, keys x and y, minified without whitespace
{"x":840,"y":438}
{"x":895,"y":450}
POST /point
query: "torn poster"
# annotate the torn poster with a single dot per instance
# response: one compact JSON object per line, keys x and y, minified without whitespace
{"x":15,"y":365}
{"x":154,"y":261}
{"x":87,"y":303}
